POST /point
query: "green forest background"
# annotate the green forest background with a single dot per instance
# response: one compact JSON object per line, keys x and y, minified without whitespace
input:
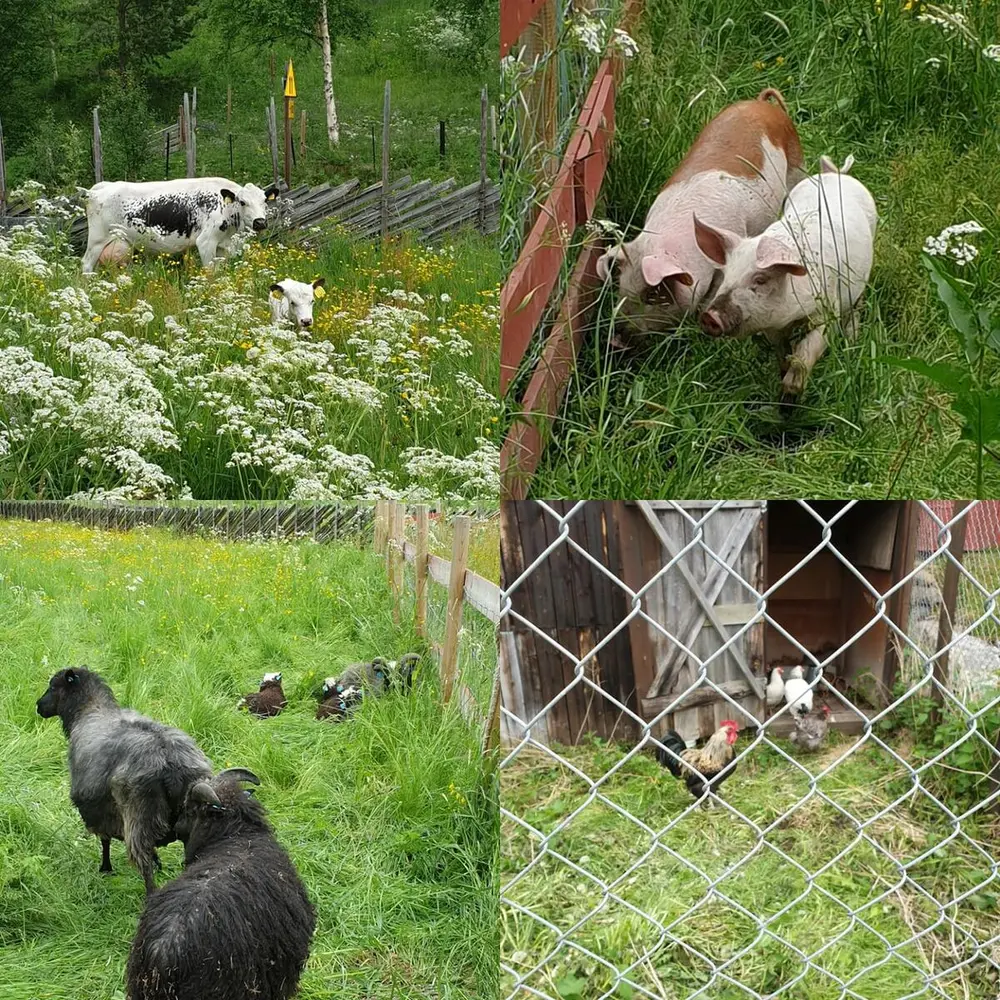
{"x":136,"y":58}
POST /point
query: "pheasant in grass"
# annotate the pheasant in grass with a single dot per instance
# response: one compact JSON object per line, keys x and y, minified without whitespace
{"x":710,"y":760}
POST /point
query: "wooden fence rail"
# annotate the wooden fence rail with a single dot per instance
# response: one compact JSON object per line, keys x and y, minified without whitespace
{"x":464,"y":587}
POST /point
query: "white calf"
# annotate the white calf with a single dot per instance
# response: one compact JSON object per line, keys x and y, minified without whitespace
{"x":292,"y":301}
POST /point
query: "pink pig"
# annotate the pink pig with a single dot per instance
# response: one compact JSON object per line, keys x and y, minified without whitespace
{"x":735,"y":176}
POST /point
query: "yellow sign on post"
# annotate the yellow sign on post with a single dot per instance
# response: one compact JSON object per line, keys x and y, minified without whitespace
{"x":290,"y":81}
{"x":291,"y":109}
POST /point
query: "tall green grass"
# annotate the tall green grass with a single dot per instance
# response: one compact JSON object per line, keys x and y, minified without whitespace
{"x":683,"y":416}
{"x":710,"y":879}
{"x":391,"y":817}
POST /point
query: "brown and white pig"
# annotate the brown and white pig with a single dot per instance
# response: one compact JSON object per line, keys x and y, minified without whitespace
{"x":735,"y":176}
{"x":807,"y":269}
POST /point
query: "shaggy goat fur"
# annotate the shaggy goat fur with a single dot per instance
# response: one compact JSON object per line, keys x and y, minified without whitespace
{"x":237,"y":922}
{"x":128,"y":774}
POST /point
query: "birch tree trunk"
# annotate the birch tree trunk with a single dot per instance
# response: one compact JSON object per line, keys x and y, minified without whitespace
{"x":332,"y":124}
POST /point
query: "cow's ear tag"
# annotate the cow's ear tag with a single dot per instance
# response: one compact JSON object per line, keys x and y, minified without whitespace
{"x":228,"y":199}
{"x":319,"y":292}
{"x":271,"y":196}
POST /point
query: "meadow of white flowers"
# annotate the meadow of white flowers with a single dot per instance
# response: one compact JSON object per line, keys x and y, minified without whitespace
{"x":162,"y":381}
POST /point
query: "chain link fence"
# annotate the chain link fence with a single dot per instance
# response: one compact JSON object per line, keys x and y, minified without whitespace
{"x":864,"y":869}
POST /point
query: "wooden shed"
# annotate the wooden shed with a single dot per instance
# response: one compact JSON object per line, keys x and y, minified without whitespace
{"x":701,"y":594}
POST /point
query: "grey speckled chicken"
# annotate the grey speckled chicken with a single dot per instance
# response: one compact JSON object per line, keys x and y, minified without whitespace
{"x":810,"y":730}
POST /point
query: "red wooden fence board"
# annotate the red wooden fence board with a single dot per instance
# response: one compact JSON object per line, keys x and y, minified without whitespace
{"x":515,"y":16}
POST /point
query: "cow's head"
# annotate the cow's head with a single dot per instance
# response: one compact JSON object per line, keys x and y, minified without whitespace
{"x":253,"y":202}
{"x":299,"y":295}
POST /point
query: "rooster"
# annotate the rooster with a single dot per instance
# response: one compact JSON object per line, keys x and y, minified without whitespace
{"x":710,"y":760}
{"x":810,"y":730}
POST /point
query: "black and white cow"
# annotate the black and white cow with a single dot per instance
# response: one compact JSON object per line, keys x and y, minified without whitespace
{"x":170,"y":216}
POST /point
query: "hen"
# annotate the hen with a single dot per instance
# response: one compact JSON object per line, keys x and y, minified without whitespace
{"x":810,"y":730}
{"x":710,"y":760}
{"x":797,"y":692}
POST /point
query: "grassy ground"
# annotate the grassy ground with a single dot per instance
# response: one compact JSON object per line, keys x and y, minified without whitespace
{"x":394,"y":388}
{"x":683,"y":416}
{"x":389,"y":818}
{"x":764,"y":788}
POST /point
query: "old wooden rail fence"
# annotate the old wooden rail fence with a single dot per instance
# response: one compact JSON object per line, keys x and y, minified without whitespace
{"x":319,"y":522}
{"x":464,"y":587}
{"x":525,"y":297}
{"x":429,"y":209}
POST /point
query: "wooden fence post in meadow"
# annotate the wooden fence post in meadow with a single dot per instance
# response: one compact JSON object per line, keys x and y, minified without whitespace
{"x":181,"y":127}
{"x":272,"y":132}
{"x":290,"y":95}
{"x":194,"y":132}
{"x":949,"y":601}
{"x":98,"y":151}
{"x":398,"y":560}
{"x":456,"y":591}
{"x":3,"y":175}
{"x":384,"y":228}
{"x":484,"y":107}
{"x":420,"y":571}
{"x":491,"y":735}
{"x":378,"y":543}
{"x":441,"y":148}
{"x":189,"y":135}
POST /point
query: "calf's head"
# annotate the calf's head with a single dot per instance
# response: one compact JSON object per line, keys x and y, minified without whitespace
{"x":754,"y":281}
{"x":299,"y":296}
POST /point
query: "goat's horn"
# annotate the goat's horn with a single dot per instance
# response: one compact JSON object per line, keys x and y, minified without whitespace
{"x":240,"y":774}
{"x":202,"y":791}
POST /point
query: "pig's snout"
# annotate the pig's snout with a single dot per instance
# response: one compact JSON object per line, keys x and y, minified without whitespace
{"x":711,"y":323}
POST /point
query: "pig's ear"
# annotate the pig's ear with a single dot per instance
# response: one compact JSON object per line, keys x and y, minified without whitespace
{"x":715,"y":244}
{"x":775,"y":255}
{"x":660,"y":266}
{"x":607,"y":261}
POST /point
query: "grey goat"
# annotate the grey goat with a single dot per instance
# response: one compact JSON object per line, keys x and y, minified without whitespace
{"x":128,"y":774}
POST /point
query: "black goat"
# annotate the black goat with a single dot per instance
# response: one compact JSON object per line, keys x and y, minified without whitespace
{"x":128,"y":774}
{"x":237,"y":922}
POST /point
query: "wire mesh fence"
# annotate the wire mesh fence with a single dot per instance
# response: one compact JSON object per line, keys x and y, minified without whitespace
{"x":860,"y":864}
{"x":319,"y":522}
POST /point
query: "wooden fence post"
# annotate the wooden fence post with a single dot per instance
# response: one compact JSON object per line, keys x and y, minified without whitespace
{"x":194,"y":133}
{"x":3,"y":175}
{"x":189,"y":136}
{"x":949,"y":600}
{"x":398,"y":560}
{"x":420,"y":571}
{"x":491,"y":735}
{"x":384,"y":229}
{"x":98,"y":151}
{"x":441,"y":140}
{"x":390,"y":520}
{"x":379,"y":543}
{"x":181,"y":127}
{"x":456,"y":593}
{"x":272,"y":132}
{"x":483,"y":139}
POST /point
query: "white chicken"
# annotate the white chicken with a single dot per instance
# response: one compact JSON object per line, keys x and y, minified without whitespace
{"x":797,"y":692}
{"x":775,"y":687}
